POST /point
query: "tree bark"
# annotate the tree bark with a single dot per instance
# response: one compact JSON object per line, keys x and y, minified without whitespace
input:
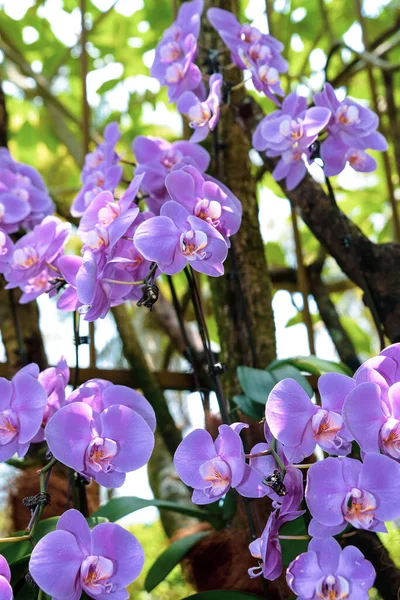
{"x":242,"y":297}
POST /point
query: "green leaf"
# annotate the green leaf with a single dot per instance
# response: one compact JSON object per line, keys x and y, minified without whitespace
{"x":298,"y":318}
{"x":256,"y":383}
{"x":313,"y":365}
{"x":275,"y":255}
{"x":120,"y":507}
{"x":108,"y":85}
{"x":318,"y":366}
{"x":222,"y":595}
{"x":170,"y":558}
{"x":253,"y":409}
{"x":289,"y":371}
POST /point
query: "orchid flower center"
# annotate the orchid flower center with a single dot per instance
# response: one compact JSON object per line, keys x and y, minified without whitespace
{"x":96,"y":572}
{"x":356,"y":157}
{"x":94,"y":159}
{"x":108,"y":214}
{"x":23,"y":179}
{"x":2,"y":211}
{"x":21,"y":193}
{"x":174,"y":73}
{"x":192,"y":244}
{"x":23,"y":258}
{"x":95,"y":239}
{"x":333,"y":588}
{"x":390,"y":437}
{"x":209,"y":211}
{"x":348,"y":115}
{"x":37,"y":284}
{"x":3,"y":242}
{"x":170,"y":52}
{"x":359,"y":508}
{"x":268,"y":75}
{"x":199,"y":114}
{"x":99,"y":454}
{"x":217,"y":476}
{"x":250,"y":34}
{"x":292,"y":155}
{"x":170,"y":159}
{"x":326,"y":426}
{"x":98,"y":179}
{"x":9,"y":426}
{"x":259,"y":52}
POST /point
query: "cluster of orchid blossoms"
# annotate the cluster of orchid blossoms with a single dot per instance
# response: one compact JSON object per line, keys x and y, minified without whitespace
{"x":340,"y":492}
{"x":100,"y":430}
{"x":188,"y":216}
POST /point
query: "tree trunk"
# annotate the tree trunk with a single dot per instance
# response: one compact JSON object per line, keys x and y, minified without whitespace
{"x":242,"y":297}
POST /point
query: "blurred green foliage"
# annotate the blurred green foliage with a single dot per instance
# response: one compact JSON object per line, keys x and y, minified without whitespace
{"x":154,"y":541}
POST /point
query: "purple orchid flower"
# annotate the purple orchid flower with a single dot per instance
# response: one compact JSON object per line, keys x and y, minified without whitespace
{"x":252,"y":50}
{"x":187,"y":21}
{"x":100,"y":172}
{"x":175,"y":53}
{"x":352,"y":130}
{"x":95,"y":283}
{"x":105,"y":221}
{"x":373,"y":418}
{"x":101,"y":446}
{"x":299,"y":424}
{"x":72,"y":559}
{"x":289,"y":133}
{"x":182,"y":74}
{"x":212,"y":468}
{"x":54,"y":381}
{"x":22,"y":404}
{"x":156,"y":157}
{"x":176,"y":238}
{"x":24,"y":200}
{"x":326,"y":571}
{"x":100,"y":394}
{"x":6,"y":251}
{"x":253,"y":484}
{"x":6,"y":592}
{"x":203,"y":116}
{"x":267,"y":548}
{"x":344,"y":490}
{"x":205,"y":200}
{"x":36,"y":250}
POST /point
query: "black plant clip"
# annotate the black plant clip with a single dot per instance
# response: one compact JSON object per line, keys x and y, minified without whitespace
{"x":29,"y":579}
{"x":40,"y":499}
{"x":274,"y":481}
{"x":150,"y":290}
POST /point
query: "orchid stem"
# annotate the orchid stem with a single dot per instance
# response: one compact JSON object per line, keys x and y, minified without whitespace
{"x":306,"y":466}
{"x":124,"y":282}
{"x":53,"y":268}
{"x":17,"y":538}
{"x":257,"y":454}
{"x":294,"y":537}
{"x":278,"y":461}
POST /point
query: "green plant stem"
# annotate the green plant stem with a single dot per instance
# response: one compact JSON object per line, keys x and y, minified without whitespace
{"x":278,"y":461}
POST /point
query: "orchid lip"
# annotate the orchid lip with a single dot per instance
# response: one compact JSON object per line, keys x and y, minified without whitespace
{"x":99,"y":454}
{"x":96,"y":572}
{"x":9,"y":426}
{"x":359,"y":508}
